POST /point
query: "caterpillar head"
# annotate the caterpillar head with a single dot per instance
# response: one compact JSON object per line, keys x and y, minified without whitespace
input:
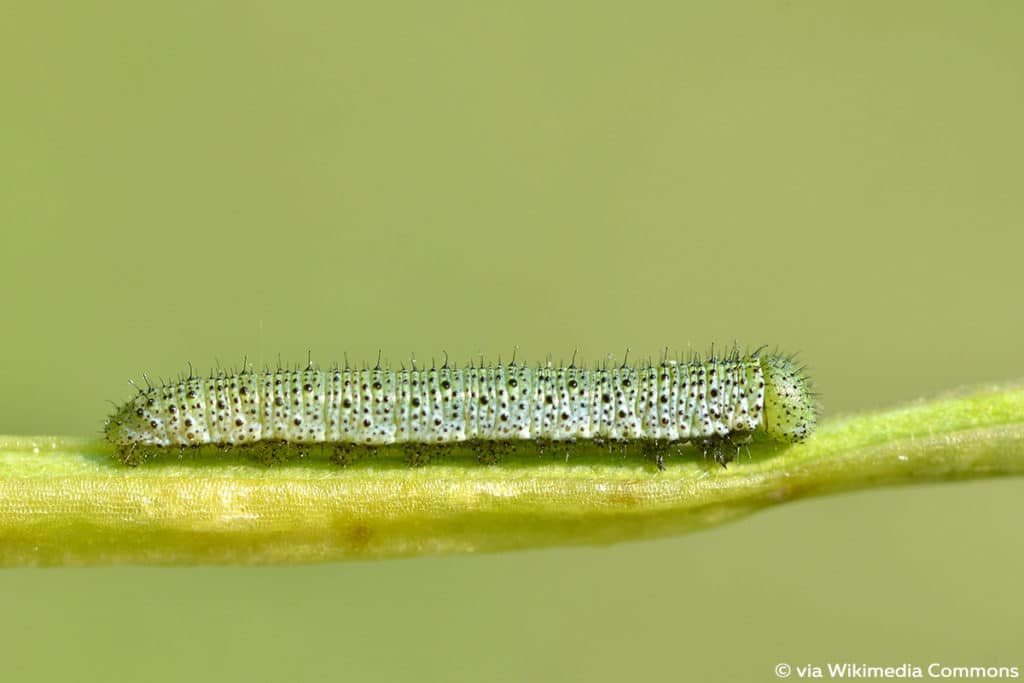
{"x":135,"y":422}
{"x":790,"y":413}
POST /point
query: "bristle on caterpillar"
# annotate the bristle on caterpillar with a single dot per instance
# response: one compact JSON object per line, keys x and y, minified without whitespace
{"x":717,"y":404}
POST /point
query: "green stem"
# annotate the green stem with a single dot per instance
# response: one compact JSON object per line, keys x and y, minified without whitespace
{"x":65,"y":501}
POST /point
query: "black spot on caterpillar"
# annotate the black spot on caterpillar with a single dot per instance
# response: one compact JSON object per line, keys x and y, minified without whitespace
{"x":717,"y":403}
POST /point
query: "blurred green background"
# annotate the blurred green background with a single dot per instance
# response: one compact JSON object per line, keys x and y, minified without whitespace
{"x":198,"y":181}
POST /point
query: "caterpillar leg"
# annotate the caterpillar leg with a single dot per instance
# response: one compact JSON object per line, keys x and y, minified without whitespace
{"x":725,"y":449}
{"x":343,"y":454}
{"x":491,"y":452}
{"x":135,"y":454}
{"x":656,"y":450}
{"x":272,"y":452}
{"x":543,"y":445}
{"x":130,"y":455}
{"x":721,"y":448}
{"x":419,"y":454}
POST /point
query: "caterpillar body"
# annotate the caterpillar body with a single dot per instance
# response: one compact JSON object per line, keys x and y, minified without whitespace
{"x":717,"y":403}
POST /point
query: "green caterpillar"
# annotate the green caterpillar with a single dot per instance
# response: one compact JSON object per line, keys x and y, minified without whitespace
{"x":715,"y":402}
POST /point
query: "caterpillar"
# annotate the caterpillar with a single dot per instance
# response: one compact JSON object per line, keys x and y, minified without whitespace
{"x":718,"y":403}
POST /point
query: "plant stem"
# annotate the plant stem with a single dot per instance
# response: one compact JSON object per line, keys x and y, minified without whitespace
{"x":65,"y":501}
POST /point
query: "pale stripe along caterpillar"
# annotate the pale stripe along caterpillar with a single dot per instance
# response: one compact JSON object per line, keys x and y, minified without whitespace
{"x":717,"y":403}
